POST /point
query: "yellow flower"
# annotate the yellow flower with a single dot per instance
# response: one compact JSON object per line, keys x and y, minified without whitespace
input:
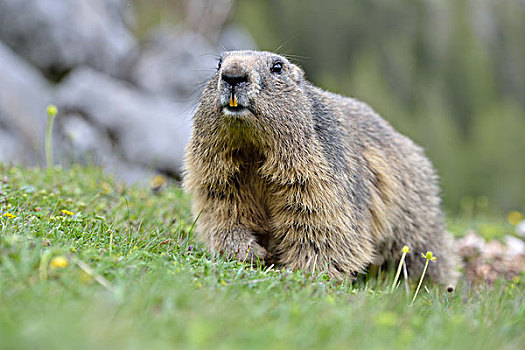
{"x":429,"y":256}
{"x":59,"y":262}
{"x":158,"y":183}
{"x":405,"y":249}
{"x":514,"y":217}
{"x":67,"y":212}
{"x":52,"y":110}
{"x":9,"y":215}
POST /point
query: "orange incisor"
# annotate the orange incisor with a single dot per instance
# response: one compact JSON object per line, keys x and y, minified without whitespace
{"x":233,"y":101}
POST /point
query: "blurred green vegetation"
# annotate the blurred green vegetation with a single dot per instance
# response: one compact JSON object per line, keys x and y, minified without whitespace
{"x":449,"y":74}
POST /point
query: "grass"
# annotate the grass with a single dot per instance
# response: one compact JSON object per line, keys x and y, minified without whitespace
{"x":136,"y":279}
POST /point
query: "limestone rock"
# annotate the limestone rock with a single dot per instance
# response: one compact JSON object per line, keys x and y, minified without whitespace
{"x":102,"y":115}
{"x":24,"y":95}
{"x":174,"y":63}
{"x":57,"y":35}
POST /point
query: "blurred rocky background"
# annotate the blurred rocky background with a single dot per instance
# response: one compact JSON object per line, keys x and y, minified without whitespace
{"x":126,"y":77}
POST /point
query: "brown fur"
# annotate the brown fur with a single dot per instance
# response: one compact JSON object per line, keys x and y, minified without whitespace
{"x":306,"y":178}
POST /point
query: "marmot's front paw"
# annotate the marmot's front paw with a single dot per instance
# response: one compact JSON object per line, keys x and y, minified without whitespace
{"x":250,"y":252}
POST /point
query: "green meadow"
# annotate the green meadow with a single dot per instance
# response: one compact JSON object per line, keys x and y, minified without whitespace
{"x":87,"y":262}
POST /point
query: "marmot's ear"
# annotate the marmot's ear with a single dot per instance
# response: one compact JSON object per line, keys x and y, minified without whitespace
{"x":296,"y":72}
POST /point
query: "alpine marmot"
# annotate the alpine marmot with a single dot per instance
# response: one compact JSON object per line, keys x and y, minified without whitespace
{"x":283,"y":171}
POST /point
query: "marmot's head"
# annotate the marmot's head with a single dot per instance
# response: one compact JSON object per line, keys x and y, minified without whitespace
{"x":245,"y":79}
{"x":251,"y":83}
{"x":253,"y":97}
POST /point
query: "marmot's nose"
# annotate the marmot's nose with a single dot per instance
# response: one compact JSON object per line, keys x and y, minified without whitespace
{"x":234,"y":76}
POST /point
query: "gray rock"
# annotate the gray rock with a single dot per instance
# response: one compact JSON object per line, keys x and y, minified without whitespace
{"x":57,"y":35}
{"x":520,"y":229}
{"x":515,"y":246}
{"x":236,"y":37}
{"x":78,"y":141}
{"x":10,"y":151}
{"x":175,"y":63}
{"x":103,"y":116}
{"x":24,"y":95}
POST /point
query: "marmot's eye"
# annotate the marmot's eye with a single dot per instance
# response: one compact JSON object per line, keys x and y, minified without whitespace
{"x":219,"y":64}
{"x":277,"y":67}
